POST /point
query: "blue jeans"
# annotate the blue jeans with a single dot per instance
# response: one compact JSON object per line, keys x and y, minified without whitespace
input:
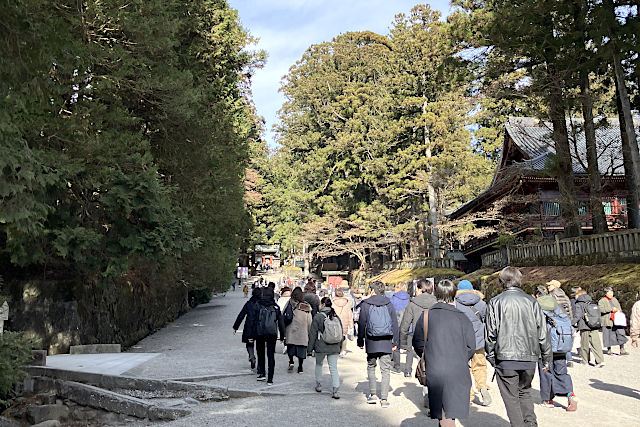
{"x":332,"y":361}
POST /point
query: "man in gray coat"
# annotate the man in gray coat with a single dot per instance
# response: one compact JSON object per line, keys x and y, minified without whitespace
{"x":515,"y":338}
{"x":423,"y":300}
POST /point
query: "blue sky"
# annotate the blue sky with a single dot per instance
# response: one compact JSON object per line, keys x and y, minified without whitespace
{"x":286,"y":28}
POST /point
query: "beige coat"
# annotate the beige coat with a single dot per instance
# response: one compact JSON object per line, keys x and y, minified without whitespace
{"x":635,"y":321}
{"x":298,"y":329}
{"x":344,"y":309}
{"x":606,"y":307}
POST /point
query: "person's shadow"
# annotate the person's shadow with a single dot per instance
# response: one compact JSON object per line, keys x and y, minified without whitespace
{"x":615,"y":388}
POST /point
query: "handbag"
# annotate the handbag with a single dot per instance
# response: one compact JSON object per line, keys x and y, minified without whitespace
{"x":421,"y":369}
{"x":619,"y":319}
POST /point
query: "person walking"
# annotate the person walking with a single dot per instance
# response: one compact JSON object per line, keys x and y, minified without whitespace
{"x":318,"y":337}
{"x":423,"y":300}
{"x":469,"y":302}
{"x":344,"y":309}
{"x":298,"y":330}
{"x":553,"y":286}
{"x":635,"y":322}
{"x":588,"y":320}
{"x":283,"y":303}
{"x":245,"y":290}
{"x":378,"y":330}
{"x":269,"y":323}
{"x":611,"y":333}
{"x":249,"y":314}
{"x":311,"y":298}
{"x":450,"y":344}
{"x":515,"y":338}
{"x":556,"y":380}
{"x":400,"y":300}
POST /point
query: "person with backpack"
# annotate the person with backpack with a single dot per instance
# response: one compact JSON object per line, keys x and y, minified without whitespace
{"x":344,"y":309}
{"x":311,"y":298}
{"x":612,"y":334}
{"x":448,"y":343}
{"x":553,"y":286}
{"x":587,"y":320}
{"x":250,"y":311}
{"x":378,"y":330}
{"x":400,"y":300}
{"x":269,"y":322}
{"x":556,"y":380}
{"x":298,"y":330}
{"x":325,"y":338}
{"x":469,"y":301}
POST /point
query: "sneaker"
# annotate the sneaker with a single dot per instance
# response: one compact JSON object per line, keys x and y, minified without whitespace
{"x":407,"y":374}
{"x":573,"y":403}
{"x":610,"y":353}
{"x":548,"y":404}
{"x":262,"y":378}
{"x":335,"y":394}
{"x":372,"y":399}
{"x":384,"y":403}
{"x":318,"y":388}
{"x":269,"y":383}
{"x":343,"y":353}
{"x":600,"y":365}
{"x":624,"y":352}
{"x":290,"y":367}
{"x":300,"y":370}
{"x":486,"y":396}
{"x":569,"y":364}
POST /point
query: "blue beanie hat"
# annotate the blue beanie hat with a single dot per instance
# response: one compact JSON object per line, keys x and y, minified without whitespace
{"x":465,"y":285}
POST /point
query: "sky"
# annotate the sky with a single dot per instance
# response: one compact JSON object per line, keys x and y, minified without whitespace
{"x":286,"y":28}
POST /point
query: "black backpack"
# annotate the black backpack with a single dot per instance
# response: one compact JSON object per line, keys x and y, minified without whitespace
{"x":592,"y":316}
{"x":288,"y":314}
{"x":267,"y":321}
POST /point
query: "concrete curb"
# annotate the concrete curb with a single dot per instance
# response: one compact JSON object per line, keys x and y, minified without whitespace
{"x":209,"y":377}
{"x":162,"y":388}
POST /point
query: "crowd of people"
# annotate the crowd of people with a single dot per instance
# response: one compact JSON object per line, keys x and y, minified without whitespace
{"x":449,"y":329}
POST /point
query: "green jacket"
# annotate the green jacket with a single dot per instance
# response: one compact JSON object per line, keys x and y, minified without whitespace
{"x":317,"y":326}
{"x":606,"y":307}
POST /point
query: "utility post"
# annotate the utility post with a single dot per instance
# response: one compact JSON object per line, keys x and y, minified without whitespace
{"x":4,"y":315}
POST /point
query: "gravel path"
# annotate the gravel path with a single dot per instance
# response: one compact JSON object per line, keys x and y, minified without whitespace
{"x":201,"y":343}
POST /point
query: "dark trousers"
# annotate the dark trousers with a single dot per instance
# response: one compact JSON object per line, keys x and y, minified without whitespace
{"x":515,"y":388}
{"x":250,"y":351}
{"x":556,"y":381}
{"x":270,"y":344}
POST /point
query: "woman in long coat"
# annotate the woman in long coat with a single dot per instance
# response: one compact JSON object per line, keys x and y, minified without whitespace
{"x":611,"y":334}
{"x":344,"y":310}
{"x":298,"y":330}
{"x":450,"y":345}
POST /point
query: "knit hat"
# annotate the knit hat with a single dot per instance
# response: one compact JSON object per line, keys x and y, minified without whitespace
{"x":465,"y":285}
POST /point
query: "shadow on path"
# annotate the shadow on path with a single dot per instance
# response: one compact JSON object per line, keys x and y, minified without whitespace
{"x":614,"y":388}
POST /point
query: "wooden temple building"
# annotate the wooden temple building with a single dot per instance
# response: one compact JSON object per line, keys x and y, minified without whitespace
{"x":523,"y":197}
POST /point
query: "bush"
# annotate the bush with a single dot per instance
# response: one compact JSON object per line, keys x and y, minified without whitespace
{"x":199,"y":296}
{"x":15,"y":352}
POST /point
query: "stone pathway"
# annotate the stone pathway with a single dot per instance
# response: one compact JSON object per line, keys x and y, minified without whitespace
{"x":201,"y":344}
{"x":109,"y":363}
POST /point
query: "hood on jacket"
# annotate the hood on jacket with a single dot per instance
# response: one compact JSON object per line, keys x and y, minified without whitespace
{"x":468,"y":298}
{"x":402,"y":295}
{"x":340,"y":301}
{"x":424,"y":300}
{"x":304,"y":307}
{"x":584,"y":298}
{"x":548,"y":303}
{"x":325,"y":310}
{"x":285,"y":294}
{"x":266,"y":301}
{"x":378,"y":300}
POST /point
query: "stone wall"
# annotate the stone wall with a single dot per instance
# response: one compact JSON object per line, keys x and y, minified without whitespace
{"x":60,"y":313}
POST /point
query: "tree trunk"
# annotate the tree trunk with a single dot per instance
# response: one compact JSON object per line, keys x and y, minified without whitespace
{"x":630,"y":171}
{"x":598,"y":219}
{"x":563,"y":168}
{"x":433,"y":203}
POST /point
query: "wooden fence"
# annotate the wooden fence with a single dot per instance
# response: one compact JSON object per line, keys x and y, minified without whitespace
{"x":617,"y":244}
{"x":417,"y":263}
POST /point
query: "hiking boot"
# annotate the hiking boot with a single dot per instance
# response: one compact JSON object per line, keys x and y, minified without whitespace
{"x":548,"y":404}
{"x":372,"y":399}
{"x":318,"y":388}
{"x":486,"y":396}
{"x":335,"y":394}
{"x":384,"y":403}
{"x":573,"y":403}
{"x":262,"y":377}
{"x":290,"y":367}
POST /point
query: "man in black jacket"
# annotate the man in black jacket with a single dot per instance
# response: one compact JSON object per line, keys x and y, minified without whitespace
{"x":250,"y":311}
{"x":267,"y":301}
{"x":515,"y":338}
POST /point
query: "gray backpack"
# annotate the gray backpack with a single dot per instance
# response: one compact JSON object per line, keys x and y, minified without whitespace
{"x":332,"y":333}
